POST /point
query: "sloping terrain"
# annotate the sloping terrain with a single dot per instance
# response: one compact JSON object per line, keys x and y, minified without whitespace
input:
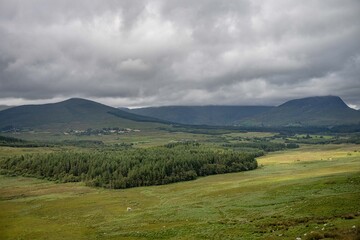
{"x":3,"y":107}
{"x":311,"y":111}
{"x":307,"y":193}
{"x":71,"y":113}
{"x":81,"y":113}
{"x":202,"y":115}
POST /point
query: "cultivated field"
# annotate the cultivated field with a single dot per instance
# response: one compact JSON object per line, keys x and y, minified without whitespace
{"x":312,"y":192}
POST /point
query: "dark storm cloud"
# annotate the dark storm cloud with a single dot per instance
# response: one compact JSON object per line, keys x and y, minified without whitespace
{"x":140,"y":53}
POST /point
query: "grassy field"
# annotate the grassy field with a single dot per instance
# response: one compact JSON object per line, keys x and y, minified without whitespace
{"x":310,"y":192}
{"x":145,"y":138}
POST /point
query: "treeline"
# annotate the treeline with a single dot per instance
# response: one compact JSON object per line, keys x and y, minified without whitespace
{"x":336,"y":140}
{"x":320,"y":139}
{"x":9,"y":140}
{"x":82,"y":143}
{"x":262,"y":145}
{"x":15,"y":142}
{"x":214,"y":130}
{"x":131,"y":167}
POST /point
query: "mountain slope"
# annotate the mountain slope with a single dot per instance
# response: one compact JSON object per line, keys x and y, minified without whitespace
{"x":202,"y":115}
{"x":3,"y":107}
{"x":71,"y":113}
{"x":82,"y":114}
{"x":311,"y":111}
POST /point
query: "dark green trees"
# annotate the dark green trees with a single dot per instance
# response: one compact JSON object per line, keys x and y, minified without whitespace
{"x":132,"y":167}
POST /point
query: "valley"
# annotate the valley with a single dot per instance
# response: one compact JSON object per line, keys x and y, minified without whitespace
{"x":96,"y":172}
{"x":179,"y":120}
{"x":294,"y":193}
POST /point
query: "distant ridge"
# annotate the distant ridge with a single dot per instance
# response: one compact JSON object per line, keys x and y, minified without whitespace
{"x":318,"y":102}
{"x":3,"y":107}
{"x":71,"y":113}
{"x":77,"y":113}
{"x":310,"y":111}
{"x":202,"y":115}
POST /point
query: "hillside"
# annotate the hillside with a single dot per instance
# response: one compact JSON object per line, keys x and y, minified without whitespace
{"x":3,"y":107}
{"x":202,"y":115}
{"x":311,"y":111}
{"x":294,"y":193}
{"x":72,"y":113}
{"x":78,"y":113}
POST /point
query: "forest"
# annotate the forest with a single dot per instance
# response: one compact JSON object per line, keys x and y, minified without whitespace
{"x":261,"y":145}
{"x":125,"y":168}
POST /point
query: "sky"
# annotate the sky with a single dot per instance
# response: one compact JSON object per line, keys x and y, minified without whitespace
{"x":135,"y":53}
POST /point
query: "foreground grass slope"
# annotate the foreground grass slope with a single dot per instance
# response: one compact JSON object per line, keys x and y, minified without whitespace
{"x":313,"y":190}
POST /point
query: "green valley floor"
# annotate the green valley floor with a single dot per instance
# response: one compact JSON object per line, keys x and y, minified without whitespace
{"x":310,"y":193}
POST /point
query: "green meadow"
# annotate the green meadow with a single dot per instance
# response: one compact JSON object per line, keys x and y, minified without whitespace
{"x":144,"y":138}
{"x":310,"y":193}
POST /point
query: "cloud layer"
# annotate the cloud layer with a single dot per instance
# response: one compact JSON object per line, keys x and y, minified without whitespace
{"x":142,"y":53}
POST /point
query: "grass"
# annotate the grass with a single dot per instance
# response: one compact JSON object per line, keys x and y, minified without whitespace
{"x":145,"y":138}
{"x":250,"y":134}
{"x":293,"y":193}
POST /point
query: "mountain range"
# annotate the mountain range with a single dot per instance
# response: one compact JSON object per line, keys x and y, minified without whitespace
{"x":202,"y":115}
{"x":310,"y":111}
{"x":79,"y":113}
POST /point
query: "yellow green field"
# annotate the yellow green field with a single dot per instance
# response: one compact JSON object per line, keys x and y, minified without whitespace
{"x":309,"y":192}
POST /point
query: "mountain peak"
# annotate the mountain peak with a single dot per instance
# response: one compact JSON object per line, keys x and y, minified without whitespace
{"x":74,"y":113}
{"x":310,"y":111}
{"x":77,"y":100}
{"x":318,"y":102}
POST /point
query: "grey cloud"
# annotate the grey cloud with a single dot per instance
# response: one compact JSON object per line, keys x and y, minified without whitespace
{"x":156,"y":52}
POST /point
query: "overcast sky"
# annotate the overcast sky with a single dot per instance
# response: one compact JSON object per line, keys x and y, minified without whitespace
{"x":145,"y":53}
